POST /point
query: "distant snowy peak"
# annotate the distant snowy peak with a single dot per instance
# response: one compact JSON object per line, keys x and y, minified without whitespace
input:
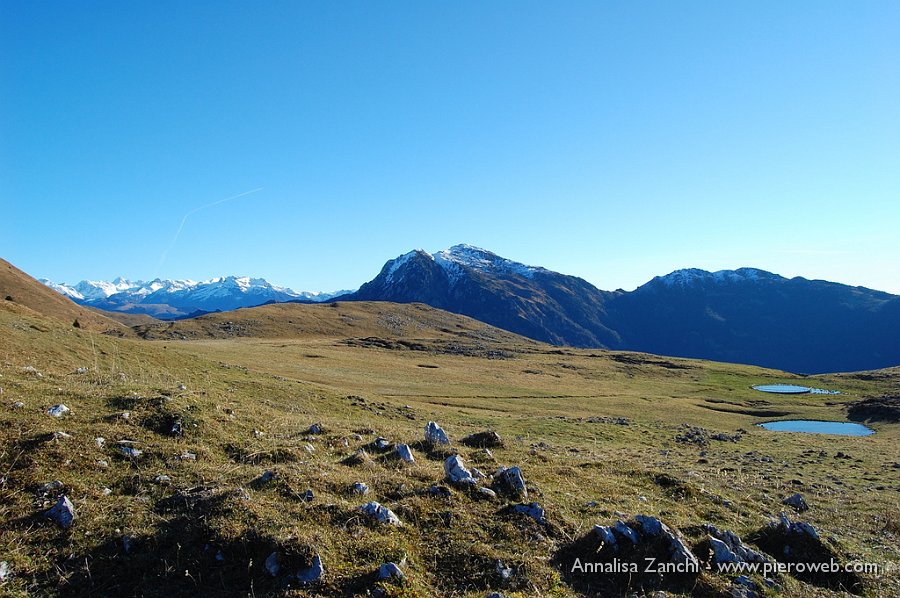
{"x":691,"y":276}
{"x":482,"y":260}
{"x":179,"y":297}
{"x":456,"y":260}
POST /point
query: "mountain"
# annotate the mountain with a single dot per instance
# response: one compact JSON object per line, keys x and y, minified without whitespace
{"x":743,"y":316}
{"x":752,"y":316}
{"x":169,"y":299}
{"x":528,"y":300}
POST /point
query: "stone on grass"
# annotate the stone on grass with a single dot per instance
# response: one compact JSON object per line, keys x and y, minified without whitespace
{"x":58,"y":410}
{"x":359,"y":489}
{"x":309,"y":448}
{"x":678,"y":550}
{"x":182,"y":387}
{"x":315,"y":429}
{"x":487,"y":439}
{"x":63,"y":512}
{"x":727,"y":547}
{"x":380,"y":513}
{"x":99,"y":441}
{"x":266,"y":477}
{"x":456,"y":471}
{"x":391,"y":572}
{"x":4,"y":571}
{"x":312,"y":574}
{"x":510,"y":482}
{"x":18,"y":405}
{"x":434,"y":434}
{"x":382,"y":443}
{"x":50,"y":487}
{"x":81,"y":370}
{"x":131,"y":452}
{"x":487,"y":492}
{"x":797,"y":501}
{"x":533,"y":510}
{"x":405,"y":453}
{"x":162,"y":479}
{"x":308,"y":496}
{"x":440,"y":491}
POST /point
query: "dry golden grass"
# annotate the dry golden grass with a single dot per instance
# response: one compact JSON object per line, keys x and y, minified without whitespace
{"x":248,"y":401}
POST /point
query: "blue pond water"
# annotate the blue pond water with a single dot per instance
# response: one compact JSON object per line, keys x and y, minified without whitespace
{"x":818,"y":427}
{"x":793,"y":389}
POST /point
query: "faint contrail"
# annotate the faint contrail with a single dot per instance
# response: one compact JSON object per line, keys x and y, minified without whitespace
{"x":165,"y":254}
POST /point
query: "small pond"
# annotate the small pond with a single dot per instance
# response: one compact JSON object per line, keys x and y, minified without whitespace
{"x":810,"y":426}
{"x":793,"y":389}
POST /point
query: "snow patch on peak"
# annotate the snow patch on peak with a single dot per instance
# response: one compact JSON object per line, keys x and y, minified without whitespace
{"x":689,"y":276}
{"x":458,"y":257}
{"x":395,"y":264}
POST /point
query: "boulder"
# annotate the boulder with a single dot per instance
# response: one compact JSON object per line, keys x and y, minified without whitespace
{"x":486,"y":439}
{"x":380,"y":513}
{"x":456,"y":471}
{"x":390,"y":572}
{"x":58,"y":410}
{"x":312,"y":574}
{"x":434,"y":434}
{"x":405,"y":453}
{"x":63,"y":512}
{"x":533,"y":510}
{"x":359,"y":489}
{"x":727,"y":547}
{"x":797,"y":501}
{"x":509,"y":481}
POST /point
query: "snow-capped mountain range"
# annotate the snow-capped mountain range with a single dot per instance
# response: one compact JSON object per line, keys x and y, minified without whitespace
{"x":745,"y":315}
{"x":179,"y":298}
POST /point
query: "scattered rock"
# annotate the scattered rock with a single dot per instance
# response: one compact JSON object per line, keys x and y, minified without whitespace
{"x":131,"y":452}
{"x":381,"y":443}
{"x":440,"y":491}
{"x":727,"y":547}
{"x":265,"y":477}
{"x":61,"y":436}
{"x":435,"y":435}
{"x":312,"y":574}
{"x":162,"y":479}
{"x":486,"y":439}
{"x":797,"y":501}
{"x":63,"y":512}
{"x":487,"y":492}
{"x":177,"y":428}
{"x":182,"y":387}
{"x":533,"y":510}
{"x":309,"y":448}
{"x":99,"y":441}
{"x":315,"y":429}
{"x":50,"y":487}
{"x":405,"y":453}
{"x":188,"y":456}
{"x":390,"y":572}
{"x":58,"y":410}
{"x":509,"y":481}
{"x":308,"y":496}
{"x":18,"y":405}
{"x":456,"y":471}
{"x":4,"y":571}
{"x":359,"y":489}
{"x":380,"y":513}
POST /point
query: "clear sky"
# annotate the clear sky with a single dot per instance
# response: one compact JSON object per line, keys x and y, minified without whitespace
{"x":612,"y":140}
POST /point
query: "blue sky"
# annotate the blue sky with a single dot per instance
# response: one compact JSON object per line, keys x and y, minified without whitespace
{"x":614,"y":141}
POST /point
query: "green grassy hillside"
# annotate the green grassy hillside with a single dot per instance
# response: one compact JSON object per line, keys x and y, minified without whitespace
{"x":599,"y":436}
